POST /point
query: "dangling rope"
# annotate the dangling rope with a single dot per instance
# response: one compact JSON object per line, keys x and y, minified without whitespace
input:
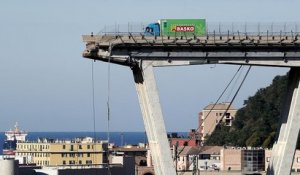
{"x":108,"y":100}
{"x":94,"y":112}
{"x":108,"y":113}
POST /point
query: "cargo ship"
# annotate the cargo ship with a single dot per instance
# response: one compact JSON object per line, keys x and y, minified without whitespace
{"x":12,"y":137}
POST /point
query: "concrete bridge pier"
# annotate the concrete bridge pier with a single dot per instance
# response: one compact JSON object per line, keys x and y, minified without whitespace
{"x":9,"y":167}
{"x":153,"y":118}
{"x":284,"y":149}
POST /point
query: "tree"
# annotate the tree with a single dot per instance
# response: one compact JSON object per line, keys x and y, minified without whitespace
{"x":256,"y":123}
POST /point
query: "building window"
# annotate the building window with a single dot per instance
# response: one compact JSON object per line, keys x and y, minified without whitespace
{"x":80,"y":162}
{"x":298,"y":159}
{"x":80,"y":146}
{"x":227,"y":122}
{"x":268,"y":159}
{"x":64,"y":146}
{"x":64,"y":162}
{"x":88,"y":146}
{"x":88,"y":155}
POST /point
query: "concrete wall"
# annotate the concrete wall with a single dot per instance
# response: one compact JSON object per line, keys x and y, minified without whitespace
{"x":231,"y":159}
{"x":9,"y":167}
{"x":296,"y":162}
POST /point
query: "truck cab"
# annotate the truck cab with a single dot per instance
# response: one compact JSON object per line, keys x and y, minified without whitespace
{"x":152,"y":29}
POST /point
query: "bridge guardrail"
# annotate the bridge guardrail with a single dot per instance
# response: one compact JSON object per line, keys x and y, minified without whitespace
{"x":219,"y":29}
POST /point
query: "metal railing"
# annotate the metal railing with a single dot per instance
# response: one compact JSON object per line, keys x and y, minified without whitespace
{"x":218,"y":29}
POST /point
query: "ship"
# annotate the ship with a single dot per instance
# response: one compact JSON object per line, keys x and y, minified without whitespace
{"x":12,"y":137}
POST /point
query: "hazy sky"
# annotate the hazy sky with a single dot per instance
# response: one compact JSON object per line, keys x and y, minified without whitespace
{"x":45,"y":84}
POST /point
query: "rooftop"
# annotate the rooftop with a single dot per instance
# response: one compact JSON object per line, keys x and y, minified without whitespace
{"x":188,"y":150}
{"x":219,"y":106}
{"x":214,"y":150}
{"x":83,"y":140}
{"x":130,"y":149}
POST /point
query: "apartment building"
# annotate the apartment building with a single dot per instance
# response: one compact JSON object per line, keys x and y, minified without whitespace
{"x":214,"y":114}
{"x":50,"y":152}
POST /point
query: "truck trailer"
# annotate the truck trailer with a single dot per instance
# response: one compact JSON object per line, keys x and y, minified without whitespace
{"x":177,"y":27}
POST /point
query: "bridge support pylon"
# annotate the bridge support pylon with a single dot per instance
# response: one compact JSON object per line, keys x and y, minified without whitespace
{"x":153,"y":118}
{"x":284,"y":149}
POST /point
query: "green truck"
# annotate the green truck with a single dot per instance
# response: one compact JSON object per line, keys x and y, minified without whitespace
{"x":177,"y":27}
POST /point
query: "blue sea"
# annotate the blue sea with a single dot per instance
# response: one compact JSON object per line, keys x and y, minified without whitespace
{"x":118,"y":138}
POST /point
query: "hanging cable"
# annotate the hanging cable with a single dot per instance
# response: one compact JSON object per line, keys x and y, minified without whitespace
{"x":94,"y":112}
{"x":236,"y":93}
{"x":233,"y":98}
{"x":217,"y":102}
{"x":108,"y":114}
{"x":212,"y":107}
{"x":234,"y":85}
{"x":108,"y":101}
{"x":221,"y":94}
{"x":93,"y":102}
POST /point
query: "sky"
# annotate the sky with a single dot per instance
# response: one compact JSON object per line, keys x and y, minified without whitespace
{"x":46,"y":85}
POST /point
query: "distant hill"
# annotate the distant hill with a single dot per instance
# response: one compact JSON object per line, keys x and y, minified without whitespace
{"x":257,"y":123}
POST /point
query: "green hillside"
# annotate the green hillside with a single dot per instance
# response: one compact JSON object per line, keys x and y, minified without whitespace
{"x":256,"y":123}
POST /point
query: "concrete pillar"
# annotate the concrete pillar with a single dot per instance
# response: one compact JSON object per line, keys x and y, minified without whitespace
{"x":284,"y":149}
{"x":9,"y":167}
{"x":149,"y":159}
{"x":153,"y":119}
